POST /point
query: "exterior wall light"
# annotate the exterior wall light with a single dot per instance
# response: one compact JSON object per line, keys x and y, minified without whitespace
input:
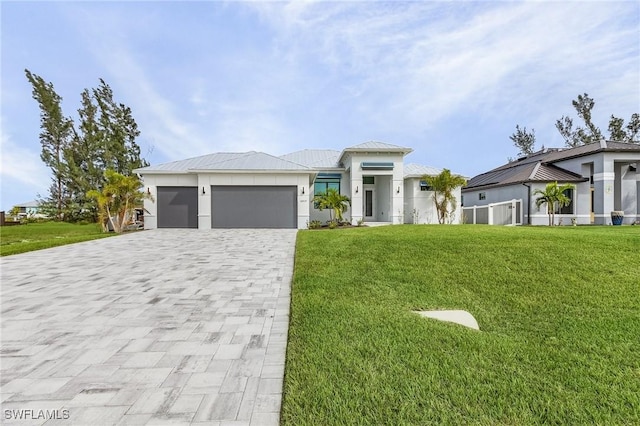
{"x":203,"y":190}
{"x":398,"y":190}
{"x":303,"y":190}
{"x":356,"y":189}
{"x":148,"y":191}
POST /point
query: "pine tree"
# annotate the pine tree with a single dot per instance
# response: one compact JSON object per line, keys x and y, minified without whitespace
{"x":104,"y":140}
{"x":523,"y":140}
{"x":55,"y":135}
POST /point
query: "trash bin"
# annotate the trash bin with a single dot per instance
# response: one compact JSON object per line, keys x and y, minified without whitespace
{"x":617,"y":217}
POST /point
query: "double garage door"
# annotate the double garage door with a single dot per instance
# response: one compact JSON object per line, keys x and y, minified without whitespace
{"x":231,"y":207}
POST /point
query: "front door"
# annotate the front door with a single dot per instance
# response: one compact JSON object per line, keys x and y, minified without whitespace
{"x":368,"y":204}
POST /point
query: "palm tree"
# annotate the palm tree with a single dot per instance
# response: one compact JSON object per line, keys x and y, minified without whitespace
{"x":333,"y":200}
{"x":443,"y":186}
{"x":554,"y":197}
{"x":117,"y":199}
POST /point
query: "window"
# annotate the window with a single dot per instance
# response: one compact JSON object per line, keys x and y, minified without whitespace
{"x":424,"y":186}
{"x":568,"y":209}
{"x":368,"y":180}
{"x":482,"y":196}
{"x":321,"y":185}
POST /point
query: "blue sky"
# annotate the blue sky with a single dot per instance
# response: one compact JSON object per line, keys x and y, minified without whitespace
{"x":449,"y":79}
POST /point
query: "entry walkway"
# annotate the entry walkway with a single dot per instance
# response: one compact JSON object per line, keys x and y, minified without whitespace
{"x":154,"y":327}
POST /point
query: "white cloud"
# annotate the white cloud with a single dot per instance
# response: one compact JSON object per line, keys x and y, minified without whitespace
{"x":352,"y":69}
{"x":419,"y":63}
{"x":22,"y":172}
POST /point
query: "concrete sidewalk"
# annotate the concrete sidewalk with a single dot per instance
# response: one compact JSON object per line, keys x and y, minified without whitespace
{"x":155,"y":327}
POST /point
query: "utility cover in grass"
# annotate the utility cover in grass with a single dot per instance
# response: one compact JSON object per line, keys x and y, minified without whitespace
{"x":456,"y":316}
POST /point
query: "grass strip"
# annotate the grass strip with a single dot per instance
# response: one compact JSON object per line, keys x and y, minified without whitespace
{"x":37,"y":236}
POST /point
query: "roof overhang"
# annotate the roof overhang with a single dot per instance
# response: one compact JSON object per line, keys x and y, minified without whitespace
{"x":399,"y":150}
{"x":520,"y":182}
{"x":250,"y":171}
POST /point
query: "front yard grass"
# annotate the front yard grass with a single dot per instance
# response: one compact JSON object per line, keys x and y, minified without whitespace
{"x":37,"y":236}
{"x":559,"y":310}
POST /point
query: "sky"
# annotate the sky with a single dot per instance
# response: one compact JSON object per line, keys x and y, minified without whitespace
{"x":448,"y":79}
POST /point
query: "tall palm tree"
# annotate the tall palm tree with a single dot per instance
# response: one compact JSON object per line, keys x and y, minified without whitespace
{"x":333,"y":200}
{"x":443,"y":186}
{"x":554,"y":197}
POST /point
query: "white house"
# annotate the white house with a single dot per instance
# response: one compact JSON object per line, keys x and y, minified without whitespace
{"x":605,"y":176}
{"x":258,"y":190}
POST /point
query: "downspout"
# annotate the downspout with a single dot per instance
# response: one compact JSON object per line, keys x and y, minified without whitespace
{"x":528,"y":203}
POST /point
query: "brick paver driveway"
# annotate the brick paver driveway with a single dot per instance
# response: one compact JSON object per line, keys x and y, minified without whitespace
{"x":155,"y":327}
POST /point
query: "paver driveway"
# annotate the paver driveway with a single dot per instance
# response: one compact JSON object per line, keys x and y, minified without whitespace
{"x":162,"y":326}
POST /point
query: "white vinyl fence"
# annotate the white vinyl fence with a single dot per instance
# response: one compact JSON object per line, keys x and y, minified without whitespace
{"x":505,"y":213}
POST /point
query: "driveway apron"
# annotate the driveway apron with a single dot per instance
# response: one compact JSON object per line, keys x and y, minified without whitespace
{"x":163,"y":326}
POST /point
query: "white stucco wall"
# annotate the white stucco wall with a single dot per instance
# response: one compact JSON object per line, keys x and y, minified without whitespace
{"x":613,"y":184}
{"x":389,"y":201}
{"x":422,"y":201}
{"x":206,"y":180}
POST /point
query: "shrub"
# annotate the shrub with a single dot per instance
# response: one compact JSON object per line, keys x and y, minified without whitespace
{"x":314,"y":224}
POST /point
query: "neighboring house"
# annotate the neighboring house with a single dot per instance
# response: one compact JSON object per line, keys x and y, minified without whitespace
{"x":605,"y":176}
{"x":258,"y":190}
{"x":29,"y":209}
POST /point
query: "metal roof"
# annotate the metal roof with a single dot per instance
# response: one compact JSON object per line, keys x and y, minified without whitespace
{"x":522,"y":173}
{"x":314,"y":158}
{"x":31,"y":204}
{"x":255,"y":161}
{"x":191,"y":163}
{"x":304,"y":160}
{"x":252,"y":160}
{"x":413,"y":170}
{"x":378,"y":146}
{"x":540,"y":166}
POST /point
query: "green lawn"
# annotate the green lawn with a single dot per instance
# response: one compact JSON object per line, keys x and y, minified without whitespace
{"x":36,"y":236}
{"x":559,"y":310}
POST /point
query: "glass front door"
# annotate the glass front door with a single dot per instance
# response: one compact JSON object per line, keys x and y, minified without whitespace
{"x":368,"y":203}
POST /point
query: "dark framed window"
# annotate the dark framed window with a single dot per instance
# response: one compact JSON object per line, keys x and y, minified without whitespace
{"x":368,"y":180}
{"x":482,"y":196}
{"x":321,"y":185}
{"x":424,"y":186}
{"x":568,"y":209}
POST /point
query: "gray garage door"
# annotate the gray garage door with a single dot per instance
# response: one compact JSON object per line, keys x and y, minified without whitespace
{"x":177,"y":207}
{"x":254,"y":207}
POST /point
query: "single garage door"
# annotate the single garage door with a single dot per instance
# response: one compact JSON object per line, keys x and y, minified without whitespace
{"x":254,"y":207}
{"x":177,"y":207}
